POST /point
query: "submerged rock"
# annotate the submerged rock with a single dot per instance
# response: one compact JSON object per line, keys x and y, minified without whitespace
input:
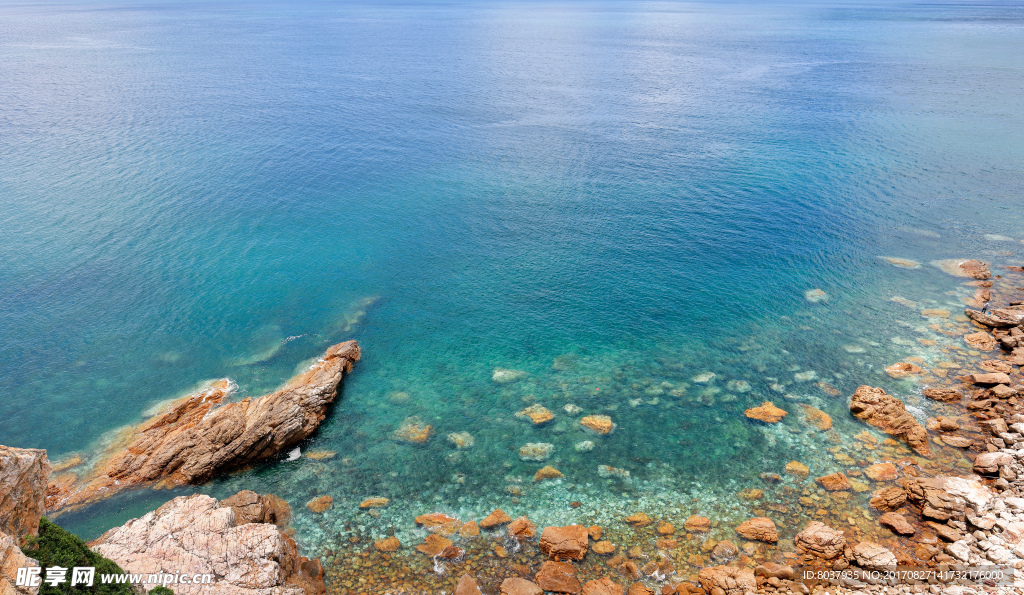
{"x":603,"y":586}
{"x":558,"y":577}
{"x":599,"y":424}
{"x":320,"y":504}
{"x":609,"y":471}
{"x":697,"y":524}
{"x":815,"y":295}
{"x":197,"y":436}
{"x":536,"y":451}
{"x":537,"y":414}
{"x":584,"y":446}
{"x":388,"y":544}
{"x":505,"y":376}
{"x":836,"y":482}
{"x":547,"y":472}
{"x":433,"y":544}
{"x":905,"y":263}
{"x":413,"y":431}
{"x":974,"y":269}
{"x":521,"y":529}
{"x":758,"y":529}
{"x":897,"y":523}
{"x":903,"y":370}
{"x":461,"y":440}
{"x":376,"y":502}
{"x":816,"y":418}
{"x":196,"y":535}
{"x":767,"y":413}
{"x":881,"y":472}
{"x":888,"y":499}
{"x":877,"y":408}
{"x":467,"y":586}
{"x":797,"y":468}
{"x":520,"y":586}
{"x":981,"y":340}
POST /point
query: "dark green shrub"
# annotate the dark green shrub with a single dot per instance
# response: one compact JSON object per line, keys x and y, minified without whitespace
{"x":56,"y":547}
{"x":161,"y":591}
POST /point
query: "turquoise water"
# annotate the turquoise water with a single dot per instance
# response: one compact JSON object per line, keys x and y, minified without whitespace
{"x":643,"y":191}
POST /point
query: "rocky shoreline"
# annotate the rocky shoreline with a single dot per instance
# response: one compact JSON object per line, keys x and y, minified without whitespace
{"x":931,"y":509}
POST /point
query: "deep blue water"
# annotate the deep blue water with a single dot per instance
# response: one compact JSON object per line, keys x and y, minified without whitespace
{"x":195,"y":191}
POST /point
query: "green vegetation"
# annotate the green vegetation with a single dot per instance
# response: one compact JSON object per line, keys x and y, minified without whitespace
{"x":161,"y":591}
{"x":56,"y":547}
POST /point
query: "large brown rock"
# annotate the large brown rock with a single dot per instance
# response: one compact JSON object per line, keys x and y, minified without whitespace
{"x":467,"y":586}
{"x":732,"y":581}
{"x":872,"y":556}
{"x":965,"y":267}
{"x":11,"y":559}
{"x":766,"y":412}
{"x":988,"y":463}
{"x":836,"y":482}
{"x":24,"y":474}
{"x":603,"y":586}
{"x":987,"y":379}
{"x":944,"y":497}
{"x":943,"y":394}
{"x":896,"y":523}
{"x":565,"y":543}
{"x":251,"y":507}
{"x":197,"y":535}
{"x":758,"y":529}
{"x":558,"y":577}
{"x":520,"y":586}
{"x":888,"y":499}
{"x":996,"y":319}
{"x":198,"y":436}
{"x":877,"y":408}
{"x":820,"y":540}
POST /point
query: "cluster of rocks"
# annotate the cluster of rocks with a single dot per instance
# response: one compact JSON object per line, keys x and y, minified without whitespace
{"x":24,"y":474}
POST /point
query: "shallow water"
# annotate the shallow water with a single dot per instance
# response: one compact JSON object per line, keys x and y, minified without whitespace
{"x":613,"y":198}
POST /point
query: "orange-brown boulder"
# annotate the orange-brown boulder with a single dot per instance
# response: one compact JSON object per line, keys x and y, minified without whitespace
{"x":816,"y":418}
{"x":537,"y":414}
{"x":565,"y":543}
{"x":467,"y":586}
{"x":967,"y":267}
{"x":758,"y":529}
{"x":520,"y":586}
{"x":697,"y":524}
{"x":665,"y":528}
{"x":469,"y":529}
{"x":797,"y":468}
{"x":943,"y":394}
{"x":888,"y":499}
{"x":981,"y":340}
{"x":603,"y":586}
{"x":413,"y":431}
{"x":897,"y":523}
{"x":558,"y":577}
{"x":595,"y":532}
{"x":881,"y":472}
{"x":433,"y":544}
{"x":199,"y":436}
{"x":820,"y":540}
{"x":320,"y":504}
{"x":727,"y":580}
{"x":547,"y":472}
{"x":437,"y":522}
{"x":603,"y":547}
{"x":640,"y":519}
{"x":837,"y":482}
{"x":495,"y":519}
{"x":599,"y":424}
{"x":388,"y":544}
{"x":374,"y":503}
{"x":887,"y":413}
{"x":641,"y":589}
{"x":767,"y":413}
{"x":522,"y":528}
{"x":903,"y":370}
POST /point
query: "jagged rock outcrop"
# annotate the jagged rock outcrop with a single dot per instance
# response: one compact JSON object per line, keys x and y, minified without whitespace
{"x":943,"y":498}
{"x":965,"y":267}
{"x":11,"y":559}
{"x":877,"y":408}
{"x":197,"y":535}
{"x":197,"y":436}
{"x":24,"y":473}
{"x":997,"y":318}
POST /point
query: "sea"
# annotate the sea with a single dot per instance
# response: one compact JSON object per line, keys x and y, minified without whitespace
{"x":662,"y":212}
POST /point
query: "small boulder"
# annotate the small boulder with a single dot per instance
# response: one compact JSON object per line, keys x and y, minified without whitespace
{"x":767,"y":413}
{"x":987,"y":379}
{"x":640,"y":519}
{"x":758,"y":529}
{"x":374,"y":503}
{"x":598,"y":424}
{"x":836,"y":482}
{"x":547,"y":472}
{"x":989,"y":463}
{"x":697,"y":524}
{"x":943,"y":394}
{"x":896,"y":523}
{"x":467,"y":586}
{"x":520,"y":586}
{"x":536,"y":451}
{"x":558,"y":577}
{"x":888,"y":499}
{"x":565,"y":543}
{"x":505,"y":375}
{"x":820,"y":540}
{"x":521,"y":529}
{"x":320,"y":504}
{"x":816,"y":418}
{"x":495,"y":519}
{"x":797,"y":468}
{"x":413,"y":431}
{"x":881,"y":472}
{"x":727,"y":580}
{"x":603,"y":586}
{"x":388,"y":544}
{"x":871,"y":556}
{"x":537,"y":414}
{"x":433,"y":544}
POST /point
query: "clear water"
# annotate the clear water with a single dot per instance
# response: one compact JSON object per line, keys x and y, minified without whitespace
{"x":642,"y":190}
